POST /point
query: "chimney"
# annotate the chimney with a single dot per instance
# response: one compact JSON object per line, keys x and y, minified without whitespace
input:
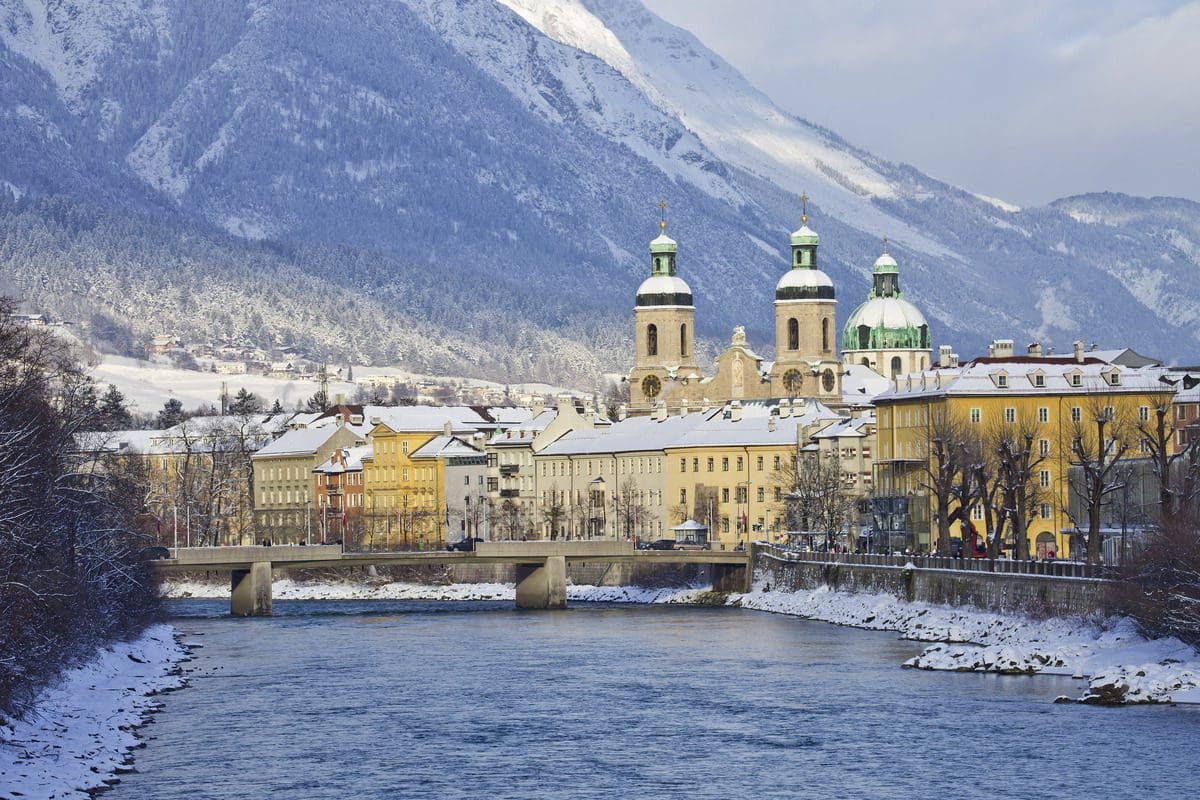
{"x":622,"y":412}
{"x":589,"y":407}
{"x":602,"y":409}
{"x":1035,"y":350}
{"x":1000,"y":348}
{"x":1079,"y":351}
{"x":447,"y":428}
{"x":376,"y":420}
{"x":683,"y":407}
{"x":705,"y":404}
{"x":771,"y":423}
{"x":735,"y":411}
{"x":538,"y":405}
{"x":659,"y":413}
{"x":944,"y":352}
{"x":785,"y":408}
{"x":564,"y":403}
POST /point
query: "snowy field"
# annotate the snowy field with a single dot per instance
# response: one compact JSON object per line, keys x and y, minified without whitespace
{"x":81,"y":734}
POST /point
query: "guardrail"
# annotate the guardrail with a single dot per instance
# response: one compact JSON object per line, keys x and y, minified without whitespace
{"x":1049,"y":569}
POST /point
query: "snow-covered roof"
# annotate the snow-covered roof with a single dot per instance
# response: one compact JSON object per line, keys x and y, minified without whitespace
{"x":1020,"y":377}
{"x":305,"y":441}
{"x":463,"y":419}
{"x":804,"y":278}
{"x":444,"y":447}
{"x":351,"y":461}
{"x":671,"y":285}
{"x":853,"y":428}
{"x":755,"y":429}
{"x":632,"y":435}
{"x":861,"y":384}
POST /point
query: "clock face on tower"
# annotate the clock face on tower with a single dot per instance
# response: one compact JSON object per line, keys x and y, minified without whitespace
{"x":651,"y":386}
{"x":793,"y":381}
{"x":827,"y":380}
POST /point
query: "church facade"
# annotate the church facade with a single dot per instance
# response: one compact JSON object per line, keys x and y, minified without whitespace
{"x":806,"y":364}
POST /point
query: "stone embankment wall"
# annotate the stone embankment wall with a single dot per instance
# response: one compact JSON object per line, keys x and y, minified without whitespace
{"x":1036,"y":594}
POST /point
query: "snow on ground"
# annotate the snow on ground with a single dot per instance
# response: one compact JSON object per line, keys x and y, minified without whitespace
{"x":1121,"y":665}
{"x":80,"y":733}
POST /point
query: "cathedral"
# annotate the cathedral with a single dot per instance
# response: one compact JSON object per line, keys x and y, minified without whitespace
{"x":886,"y":333}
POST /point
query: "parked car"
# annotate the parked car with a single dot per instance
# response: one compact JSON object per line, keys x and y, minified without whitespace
{"x":465,"y":545}
{"x":154,"y":553}
{"x":662,"y":544}
{"x":690,"y":545}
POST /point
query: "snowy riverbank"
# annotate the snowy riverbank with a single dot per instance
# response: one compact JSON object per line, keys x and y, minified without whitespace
{"x":1120,"y":665}
{"x":81,"y":732}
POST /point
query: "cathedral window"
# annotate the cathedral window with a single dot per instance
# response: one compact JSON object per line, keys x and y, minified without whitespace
{"x":793,"y":328}
{"x":896,"y":368}
{"x":825,"y":335}
{"x":651,"y":340}
{"x":683,"y":340}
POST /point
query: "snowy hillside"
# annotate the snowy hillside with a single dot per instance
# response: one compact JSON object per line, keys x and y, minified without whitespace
{"x":488,"y":172}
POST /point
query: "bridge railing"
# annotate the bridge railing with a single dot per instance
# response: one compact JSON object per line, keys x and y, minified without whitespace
{"x":1049,"y":569}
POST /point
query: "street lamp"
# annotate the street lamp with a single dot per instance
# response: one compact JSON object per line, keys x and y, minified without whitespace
{"x":744,"y":487}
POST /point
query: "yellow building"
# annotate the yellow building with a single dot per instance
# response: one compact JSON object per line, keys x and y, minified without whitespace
{"x":404,"y":498}
{"x":1051,"y":401}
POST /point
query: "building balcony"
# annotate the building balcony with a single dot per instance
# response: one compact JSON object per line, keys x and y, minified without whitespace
{"x":508,"y":470}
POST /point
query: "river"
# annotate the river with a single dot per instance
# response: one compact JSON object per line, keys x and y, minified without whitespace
{"x":360,"y":699}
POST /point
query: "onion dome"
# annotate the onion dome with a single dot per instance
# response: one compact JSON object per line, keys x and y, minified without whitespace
{"x":804,"y":281}
{"x":663,"y":287}
{"x":886,"y":320}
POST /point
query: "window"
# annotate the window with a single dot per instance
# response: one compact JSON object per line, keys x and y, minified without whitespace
{"x":683,"y":497}
{"x":1002,"y":381}
{"x":467,"y":478}
{"x":683,"y":465}
{"x":683,"y":340}
{"x":1144,"y":413}
{"x":710,"y":465}
{"x":651,"y":340}
{"x":777,"y":462}
{"x":741,"y":494}
{"x":1076,"y":379}
{"x":695,"y":465}
{"x":762,"y":495}
{"x":1044,"y":447}
{"x":1076,"y":414}
{"x":778,"y":494}
{"x":725,"y":495}
{"x":825,"y":335}
{"x":739,"y":463}
{"x":1044,"y":479}
{"x":1039,"y":380}
{"x":404,"y":445}
{"x":1045,"y":511}
{"x":1010,"y":415}
{"x":759,"y":464}
{"x":976,"y":415}
{"x":1043,"y":414}
{"x":1114,"y":378}
{"x":793,"y":334}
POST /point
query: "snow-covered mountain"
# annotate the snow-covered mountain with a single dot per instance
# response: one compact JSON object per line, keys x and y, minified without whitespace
{"x":512,"y":152}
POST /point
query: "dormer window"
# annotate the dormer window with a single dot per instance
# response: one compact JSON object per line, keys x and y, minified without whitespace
{"x":1002,"y":381}
{"x":1076,"y":379}
{"x":1114,"y":378}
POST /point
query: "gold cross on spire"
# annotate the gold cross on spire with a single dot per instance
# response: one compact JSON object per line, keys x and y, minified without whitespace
{"x":885,"y":245}
{"x":662,"y":215}
{"x":804,"y":208}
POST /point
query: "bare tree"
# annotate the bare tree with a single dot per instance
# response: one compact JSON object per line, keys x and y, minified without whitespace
{"x":554,"y":512}
{"x":1017,"y":462}
{"x":1176,"y":469}
{"x":814,"y":493}
{"x":630,"y":510}
{"x":1099,"y":440}
{"x":945,"y":472}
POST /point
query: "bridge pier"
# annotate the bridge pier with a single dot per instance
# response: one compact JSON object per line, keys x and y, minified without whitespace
{"x":731,"y":578}
{"x":543,"y":586}
{"x":250,"y":590}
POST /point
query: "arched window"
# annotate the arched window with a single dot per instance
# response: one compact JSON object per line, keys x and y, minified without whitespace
{"x":657,"y":263}
{"x":896,"y":366}
{"x":825,"y":335}
{"x":866,"y":362}
{"x":793,"y":334}
{"x":683,"y":339}
{"x":799,"y":257}
{"x":651,"y":340}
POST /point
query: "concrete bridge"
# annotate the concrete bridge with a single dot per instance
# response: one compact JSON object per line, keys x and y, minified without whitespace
{"x":541,"y":566}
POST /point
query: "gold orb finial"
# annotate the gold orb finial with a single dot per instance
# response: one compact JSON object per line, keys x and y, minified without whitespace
{"x":662,"y":215}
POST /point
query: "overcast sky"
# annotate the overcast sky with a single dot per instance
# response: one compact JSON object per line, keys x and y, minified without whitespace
{"x":1025,"y":100}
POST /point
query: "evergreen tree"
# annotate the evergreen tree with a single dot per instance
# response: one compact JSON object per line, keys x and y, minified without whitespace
{"x":171,"y":414}
{"x":318,"y":402}
{"x":277,"y":408}
{"x":113,"y":414}
{"x":245,"y":403}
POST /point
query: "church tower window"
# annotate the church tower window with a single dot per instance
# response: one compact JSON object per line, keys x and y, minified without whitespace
{"x":896,"y":366}
{"x":683,"y":348}
{"x":651,"y":340}
{"x":793,"y":334}
{"x":825,"y":334}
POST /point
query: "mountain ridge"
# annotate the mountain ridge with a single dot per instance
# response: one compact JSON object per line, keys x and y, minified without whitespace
{"x":469,"y":148}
